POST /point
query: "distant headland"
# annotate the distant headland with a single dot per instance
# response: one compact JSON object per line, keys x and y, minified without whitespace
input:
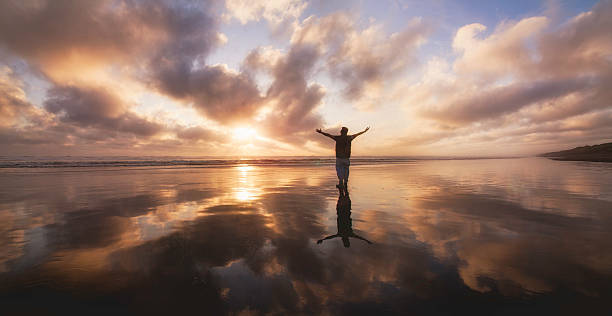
{"x":600,"y":153}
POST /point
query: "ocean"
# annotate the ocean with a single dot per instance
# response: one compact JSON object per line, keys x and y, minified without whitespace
{"x":180,"y":161}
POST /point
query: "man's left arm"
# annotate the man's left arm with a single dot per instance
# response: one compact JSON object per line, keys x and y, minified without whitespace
{"x":355,"y":135}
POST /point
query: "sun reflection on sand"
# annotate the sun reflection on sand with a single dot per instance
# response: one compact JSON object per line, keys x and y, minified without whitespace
{"x":245,"y":195}
{"x":246,"y":189}
{"x":244,"y":168}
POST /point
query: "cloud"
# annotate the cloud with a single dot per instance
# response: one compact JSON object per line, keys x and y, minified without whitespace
{"x":158,"y":43}
{"x":503,"y":52}
{"x":13,"y":102}
{"x":214,"y":91}
{"x":580,"y":46}
{"x":27,"y":137}
{"x":275,"y":12}
{"x":92,"y":55}
{"x":96,"y":107}
{"x":85,"y":119}
{"x":295,"y":100}
{"x":178,"y":70}
{"x":291,"y":100}
{"x":198,"y":133}
{"x":95,"y":57}
{"x":496,"y":82}
{"x":370,"y":58}
{"x":362,"y":58}
{"x":520,"y":83}
{"x":65,"y":38}
{"x":20,"y":121}
{"x":474,"y":104}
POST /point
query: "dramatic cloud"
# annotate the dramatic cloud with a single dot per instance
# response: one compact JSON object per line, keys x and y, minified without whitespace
{"x":59,"y":36}
{"x":161,"y":74}
{"x":20,"y":121}
{"x":474,"y":104}
{"x":178,"y":69}
{"x":502,"y":53}
{"x":523,"y":82}
{"x":291,"y":98}
{"x":97,"y":108}
{"x":361,"y":58}
{"x":153,"y":43}
{"x":13,"y":103}
{"x":68,"y":38}
{"x":169,"y":37}
{"x":215,"y":91}
{"x":85,"y":119}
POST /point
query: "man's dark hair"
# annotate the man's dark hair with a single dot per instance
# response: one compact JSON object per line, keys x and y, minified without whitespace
{"x":344,"y":131}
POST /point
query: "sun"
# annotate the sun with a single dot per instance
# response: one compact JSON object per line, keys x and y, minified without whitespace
{"x":244,"y":133}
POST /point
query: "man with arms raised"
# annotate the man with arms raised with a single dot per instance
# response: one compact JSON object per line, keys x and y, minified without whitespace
{"x":343,"y":154}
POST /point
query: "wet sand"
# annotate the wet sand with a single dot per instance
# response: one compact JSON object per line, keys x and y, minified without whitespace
{"x":499,"y":236}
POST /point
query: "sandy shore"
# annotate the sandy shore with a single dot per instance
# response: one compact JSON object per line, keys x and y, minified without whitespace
{"x":473,"y":236}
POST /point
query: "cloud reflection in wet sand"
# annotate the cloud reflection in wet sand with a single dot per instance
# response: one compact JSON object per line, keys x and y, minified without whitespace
{"x":448,"y":236}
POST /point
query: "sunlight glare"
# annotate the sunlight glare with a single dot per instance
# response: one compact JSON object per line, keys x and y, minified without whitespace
{"x":243,"y":133}
{"x":244,"y":195}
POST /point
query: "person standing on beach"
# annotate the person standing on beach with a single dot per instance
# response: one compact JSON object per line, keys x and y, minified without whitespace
{"x":343,"y":154}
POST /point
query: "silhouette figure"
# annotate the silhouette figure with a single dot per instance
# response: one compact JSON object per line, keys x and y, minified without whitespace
{"x":343,"y":154}
{"x":345,"y":224}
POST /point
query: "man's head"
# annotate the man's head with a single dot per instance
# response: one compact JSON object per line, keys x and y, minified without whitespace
{"x":344,"y":131}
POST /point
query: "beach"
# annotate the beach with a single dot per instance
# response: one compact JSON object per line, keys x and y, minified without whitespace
{"x":480,"y":236}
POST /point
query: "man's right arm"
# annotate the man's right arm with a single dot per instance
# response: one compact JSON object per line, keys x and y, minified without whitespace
{"x":326,"y":134}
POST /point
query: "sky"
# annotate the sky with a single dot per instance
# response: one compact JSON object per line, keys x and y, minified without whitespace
{"x":256,"y":78}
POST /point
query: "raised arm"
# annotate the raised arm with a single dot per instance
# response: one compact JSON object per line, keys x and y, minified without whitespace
{"x":365,"y":130}
{"x":326,"y":134}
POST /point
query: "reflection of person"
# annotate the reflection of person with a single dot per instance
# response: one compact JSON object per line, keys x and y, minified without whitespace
{"x":343,"y":153}
{"x":345,"y":224}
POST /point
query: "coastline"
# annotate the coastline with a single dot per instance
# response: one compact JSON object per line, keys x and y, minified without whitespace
{"x":594,"y":153}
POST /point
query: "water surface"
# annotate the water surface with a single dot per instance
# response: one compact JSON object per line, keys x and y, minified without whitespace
{"x":497,"y":236}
